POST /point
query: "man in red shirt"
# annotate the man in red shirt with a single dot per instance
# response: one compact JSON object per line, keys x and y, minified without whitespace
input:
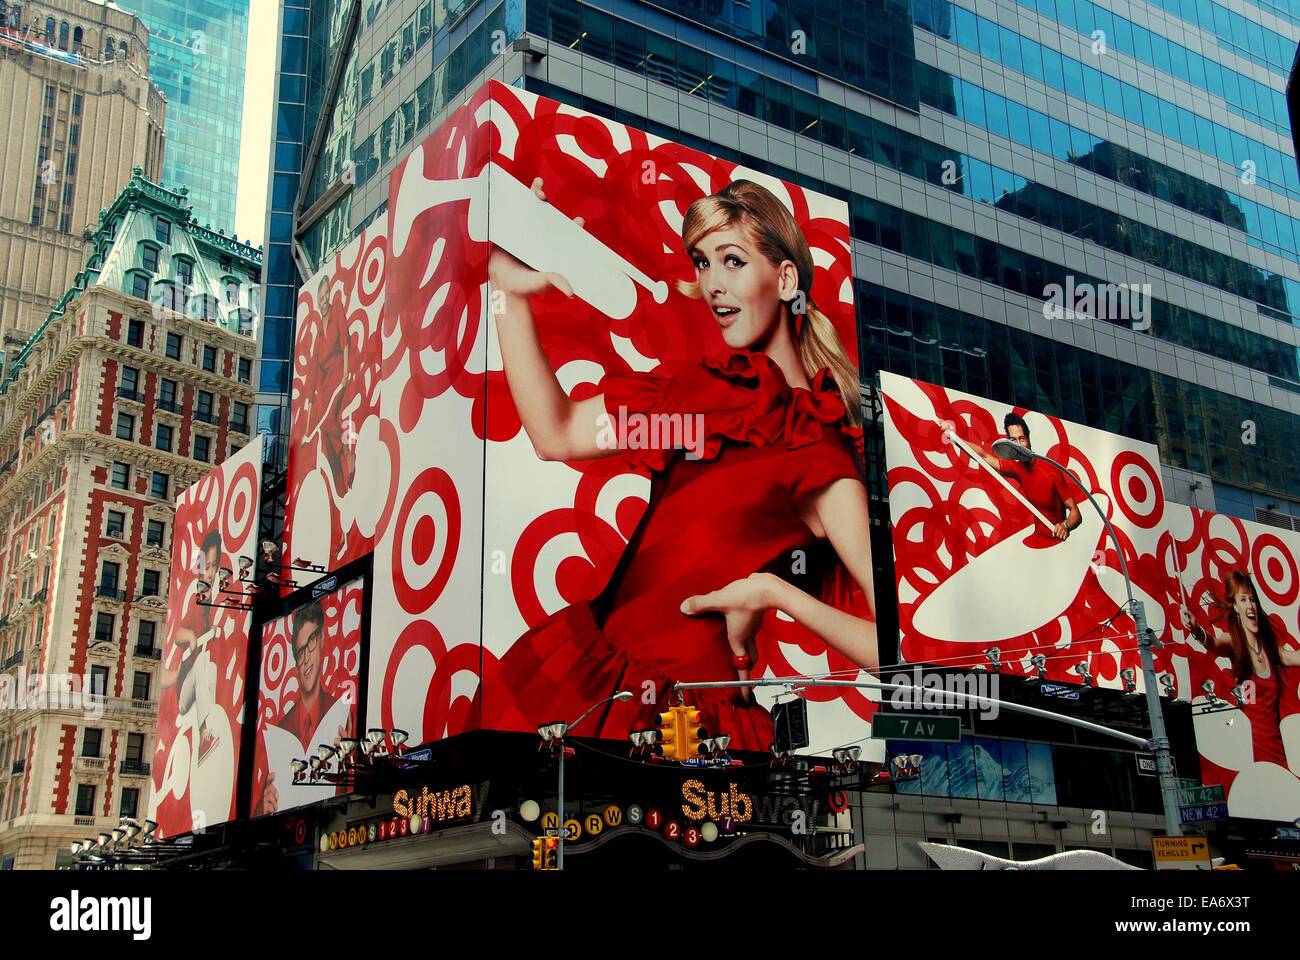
{"x":303,"y":718}
{"x":331,"y":372}
{"x":1045,"y":487}
{"x":193,"y":632}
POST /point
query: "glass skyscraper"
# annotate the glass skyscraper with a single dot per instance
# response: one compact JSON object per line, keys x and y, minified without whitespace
{"x":197,"y":52}
{"x":988,"y":149}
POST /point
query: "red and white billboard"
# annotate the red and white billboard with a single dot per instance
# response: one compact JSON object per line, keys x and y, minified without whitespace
{"x":999,"y":560}
{"x":1234,"y":594}
{"x":205,"y":647}
{"x":580,"y":320}
{"x":338,"y":460}
{"x":308,"y":692}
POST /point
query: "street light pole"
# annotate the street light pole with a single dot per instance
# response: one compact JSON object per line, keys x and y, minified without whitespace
{"x":1159,"y":743}
{"x":621,"y":697}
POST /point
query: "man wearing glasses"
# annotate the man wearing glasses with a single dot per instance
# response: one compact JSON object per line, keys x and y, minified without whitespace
{"x":304,"y":717}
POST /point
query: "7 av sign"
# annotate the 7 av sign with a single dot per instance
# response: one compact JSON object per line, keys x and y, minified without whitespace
{"x":916,"y":726}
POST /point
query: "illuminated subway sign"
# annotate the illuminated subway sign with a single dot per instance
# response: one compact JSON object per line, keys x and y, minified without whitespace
{"x":700,"y":803}
{"x":454,"y":804}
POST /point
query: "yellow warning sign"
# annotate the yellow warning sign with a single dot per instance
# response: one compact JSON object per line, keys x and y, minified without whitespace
{"x":1182,"y":853}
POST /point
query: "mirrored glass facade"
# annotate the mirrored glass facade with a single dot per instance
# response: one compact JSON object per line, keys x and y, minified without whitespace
{"x":197,"y":54}
{"x":988,"y":150}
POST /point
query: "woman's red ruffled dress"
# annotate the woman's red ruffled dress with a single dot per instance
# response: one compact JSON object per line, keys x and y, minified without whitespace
{"x":710,"y":520}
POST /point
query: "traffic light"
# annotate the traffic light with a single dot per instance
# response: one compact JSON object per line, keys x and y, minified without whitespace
{"x":679,"y":733}
{"x":689,"y":724}
{"x":539,"y":853}
{"x":668,"y":734}
{"x":550,"y":853}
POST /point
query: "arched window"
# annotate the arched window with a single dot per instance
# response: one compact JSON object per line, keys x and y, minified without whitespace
{"x":64,"y":30}
{"x":122,"y":50}
{"x":109,"y":48}
{"x":78,"y":38}
{"x":49,"y":31}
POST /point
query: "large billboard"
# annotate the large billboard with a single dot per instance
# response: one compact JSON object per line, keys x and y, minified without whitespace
{"x":307,"y":693}
{"x":1004,"y":563}
{"x":1234,"y":595}
{"x":205,"y":647}
{"x":615,"y":430}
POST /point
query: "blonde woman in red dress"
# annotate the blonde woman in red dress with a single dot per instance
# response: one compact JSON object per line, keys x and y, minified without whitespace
{"x":779,"y":471}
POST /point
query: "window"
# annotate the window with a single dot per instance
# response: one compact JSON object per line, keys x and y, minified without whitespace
{"x":203,"y":407}
{"x":103,"y":630}
{"x":149,"y":257}
{"x":99,"y":681}
{"x":145,"y":635}
{"x":109,"y":574}
{"x":36,"y":216}
{"x":134,"y":746}
{"x":125,"y":426}
{"x":130,"y":802}
{"x":91,"y":742}
{"x":159,"y":485}
{"x":163,"y":231}
{"x":155,"y":533}
{"x":184,"y":271}
{"x":65,"y":223}
{"x":121,"y":478}
{"x":130,"y":383}
{"x":85,"y":800}
{"x":239,"y":417}
{"x":164,"y":439}
{"x":71,"y":167}
{"x":150,"y":587}
{"x":135,"y":333}
{"x":167,"y":395}
{"x":140,"y":286}
{"x":116,"y":526}
{"x":64,"y":31}
{"x":174,"y":346}
{"x":202,"y":448}
{"x":245,"y":370}
{"x":76,"y":104}
{"x":210,"y":359}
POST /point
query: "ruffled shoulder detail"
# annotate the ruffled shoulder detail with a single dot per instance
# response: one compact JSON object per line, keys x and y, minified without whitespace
{"x":741,"y":397}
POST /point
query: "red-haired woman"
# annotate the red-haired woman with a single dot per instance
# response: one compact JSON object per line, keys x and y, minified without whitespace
{"x":1252,"y":646}
{"x":776,"y":473}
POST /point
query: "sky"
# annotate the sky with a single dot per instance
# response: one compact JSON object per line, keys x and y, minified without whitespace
{"x":259,"y":104}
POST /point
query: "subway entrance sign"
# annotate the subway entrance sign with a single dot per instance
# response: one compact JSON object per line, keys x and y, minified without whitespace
{"x":916,"y":726}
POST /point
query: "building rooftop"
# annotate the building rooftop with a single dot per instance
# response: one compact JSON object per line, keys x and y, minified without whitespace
{"x":149,"y":245}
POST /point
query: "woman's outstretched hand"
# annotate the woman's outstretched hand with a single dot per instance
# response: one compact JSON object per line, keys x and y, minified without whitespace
{"x":742,"y":603}
{"x":511,"y":275}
